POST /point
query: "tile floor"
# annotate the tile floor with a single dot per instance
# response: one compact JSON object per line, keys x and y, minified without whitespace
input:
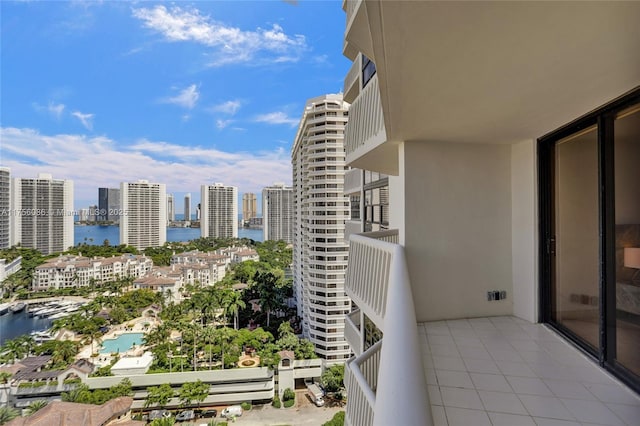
{"x":506,"y":371}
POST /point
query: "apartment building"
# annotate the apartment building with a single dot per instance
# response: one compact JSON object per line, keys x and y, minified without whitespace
{"x":144,"y":214}
{"x":171,"y":208}
{"x":78,"y":271}
{"x":42,"y":215}
{"x":187,"y":207}
{"x":249,"y":206}
{"x":108,"y":204}
{"x":320,"y":250}
{"x":219,"y":217}
{"x":5,"y":207}
{"x":510,"y":135}
{"x":277,"y":213}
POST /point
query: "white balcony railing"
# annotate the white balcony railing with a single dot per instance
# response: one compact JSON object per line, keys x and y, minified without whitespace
{"x":360,"y":379}
{"x":365,"y":129}
{"x":352,"y":181}
{"x":367,"y":276}
{"x":391,"y":389}
{"x":352,"y":333}
{"x":352,"y":82}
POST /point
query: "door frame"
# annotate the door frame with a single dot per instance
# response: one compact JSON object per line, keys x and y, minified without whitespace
{"x":603,"y":117}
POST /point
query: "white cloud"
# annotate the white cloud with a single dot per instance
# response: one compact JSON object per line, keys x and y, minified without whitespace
{"x":56,"y":109}
{"x":187,"y":98}
{"x":230,"y":44}
{"x":277,"y":117}
{"x":221,"y":124}
{"x":228,"y":107}
{"x":93,"y":162}
{"x":85,"y":119}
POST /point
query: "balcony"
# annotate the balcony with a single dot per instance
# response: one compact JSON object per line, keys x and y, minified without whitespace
{"x":360,"y":379}
{"x":352,"y":333}
{"x":352,"y":82}
{"x":386,"y":390}
{"x":353,"y":181}
{"x":365,"y":135}
{"x":357,"y":36}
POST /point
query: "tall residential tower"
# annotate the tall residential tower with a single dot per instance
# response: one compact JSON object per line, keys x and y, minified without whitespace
{"x":219,"y":215}
{"x":249,"y":206}
{"x":109,"y":204}
{"x":5,"y":207}
{"x":144,"y":214}
{"x":44,"y":213}
{"x":187,"y":207}
{"x":277,"y":213}
{"x":320,"y":251}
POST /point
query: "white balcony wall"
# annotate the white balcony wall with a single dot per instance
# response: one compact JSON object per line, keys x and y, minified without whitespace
{"x":524,"y":240}
{"x":458,"y":231}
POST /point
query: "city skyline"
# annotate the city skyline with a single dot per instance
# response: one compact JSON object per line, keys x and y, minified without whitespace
{"x":186,"y":94}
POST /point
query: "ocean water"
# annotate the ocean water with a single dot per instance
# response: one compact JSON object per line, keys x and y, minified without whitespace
{"x":14,"y":325}
{"x":95,"y":234}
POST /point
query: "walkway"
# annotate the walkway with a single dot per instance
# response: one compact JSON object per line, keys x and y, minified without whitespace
{"x":506,"y":371}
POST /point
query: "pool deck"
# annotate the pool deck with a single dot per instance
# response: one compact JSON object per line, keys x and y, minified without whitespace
{"x":136,"y":325}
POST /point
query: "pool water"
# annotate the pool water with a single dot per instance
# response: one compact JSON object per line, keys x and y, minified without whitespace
{"x":122,"y":343}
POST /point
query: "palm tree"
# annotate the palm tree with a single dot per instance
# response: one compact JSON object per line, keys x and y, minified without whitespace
{"x":234,"y":304}
{"x":209,"y":333}
{"x":224,"y":335}
{"x":27,"y":342}
{"x":36,"y":405}
{"x":15,"y":349}
{"x":270,"y":294}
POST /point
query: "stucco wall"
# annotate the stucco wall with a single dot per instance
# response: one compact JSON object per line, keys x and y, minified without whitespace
{"x":458,"y":228}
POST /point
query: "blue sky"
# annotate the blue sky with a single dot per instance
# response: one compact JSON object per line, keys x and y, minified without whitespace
{"x":181,"y":93}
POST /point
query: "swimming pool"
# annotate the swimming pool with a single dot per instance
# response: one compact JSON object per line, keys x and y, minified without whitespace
{"x":122,"y":343}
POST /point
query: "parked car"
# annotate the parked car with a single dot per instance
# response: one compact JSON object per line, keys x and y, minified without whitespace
{"x":186,"y":416}
{"x":159,"y":414}
{"x":232,"y":411}
{"x":207,"y":413}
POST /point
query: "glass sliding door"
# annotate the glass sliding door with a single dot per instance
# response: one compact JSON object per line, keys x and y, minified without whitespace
{"x":627,"y":228}
{"x":589,"y":179}
{"x":575,"y":282}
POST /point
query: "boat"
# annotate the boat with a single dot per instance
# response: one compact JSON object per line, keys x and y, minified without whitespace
{"x":4,"y":308}
{"x":18,"y":307}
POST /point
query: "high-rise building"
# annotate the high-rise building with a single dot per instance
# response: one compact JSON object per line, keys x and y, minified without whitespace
{"x":187,"y":207}
{"x":109,"y":204}
{"x":320,"y":251}
{"x":249,"y":206}
{"x":143,"y":222}
{"x":44,"y":213}
{"x":277,"y":213}
{"x":5,"y":207}
{"x":513,"y":199}
{"x":219,"y":215}
{"x":171,"y":208}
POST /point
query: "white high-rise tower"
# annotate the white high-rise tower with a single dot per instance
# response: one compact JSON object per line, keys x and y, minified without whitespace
{"x":320,"y":251}
{"x":277,"y":213}
{"x":45,"y":222}
{"x":219,"y":211}
{"x":143,"y":222}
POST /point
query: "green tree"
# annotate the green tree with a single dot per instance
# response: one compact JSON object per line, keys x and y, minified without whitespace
{"x":159,"y":395}
{"x":234,"y":304}
{"x":193,"y":391}
{"x":271,"y":297}
{"x":169,"y":421}
{"x":333,"y":378}
{"x":336,"y":420}
{"x":36,"y":406}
